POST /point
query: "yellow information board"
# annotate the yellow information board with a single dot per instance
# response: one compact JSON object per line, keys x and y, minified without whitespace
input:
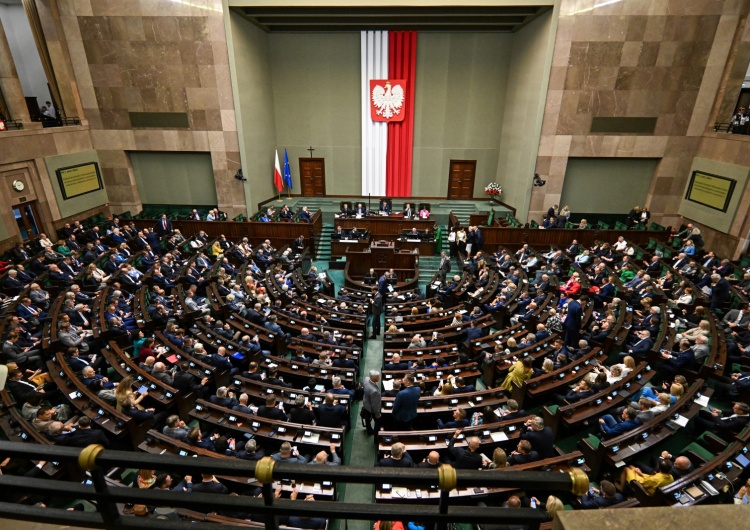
{"x":710,"y":190}
{"x":79,"y":180}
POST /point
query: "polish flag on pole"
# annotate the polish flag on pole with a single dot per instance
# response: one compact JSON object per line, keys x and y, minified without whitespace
{"x":277,"y":174}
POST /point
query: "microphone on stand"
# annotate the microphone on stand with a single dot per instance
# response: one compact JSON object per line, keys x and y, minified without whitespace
{"x":369,"y":196}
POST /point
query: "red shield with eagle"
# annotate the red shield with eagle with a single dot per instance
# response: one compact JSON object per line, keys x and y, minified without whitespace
{"x":387,"y":98}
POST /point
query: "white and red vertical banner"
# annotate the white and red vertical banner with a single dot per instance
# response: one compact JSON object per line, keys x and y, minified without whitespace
{"x":388,"y":82}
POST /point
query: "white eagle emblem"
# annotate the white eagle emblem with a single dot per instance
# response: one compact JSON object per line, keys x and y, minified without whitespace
{"x":388,"y":101}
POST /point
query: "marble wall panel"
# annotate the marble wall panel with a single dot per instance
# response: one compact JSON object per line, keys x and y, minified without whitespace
{"x":628,"y":58}
{"x":153,"y":56}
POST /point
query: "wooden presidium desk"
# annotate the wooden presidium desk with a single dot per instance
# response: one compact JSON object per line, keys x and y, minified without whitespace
{"x":339,"y":247}
{"x":386,"y":226}
{"x":390,"y":228}
{"x":381,"y":256}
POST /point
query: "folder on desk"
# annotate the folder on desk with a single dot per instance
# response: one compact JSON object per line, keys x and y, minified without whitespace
{"x":681,"y":420}
{"x":498,"y":436}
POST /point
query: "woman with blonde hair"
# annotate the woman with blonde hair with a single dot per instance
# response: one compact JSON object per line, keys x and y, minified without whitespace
{"x":547,"y":366}
{"x":393,"y":329}
{"x":704,"y":328}
{"x":124,"y":391}
{"x":216,"y":249}
{"x":553,"y":506}
{"x":499,"y":459}
{"x":444,"y":389}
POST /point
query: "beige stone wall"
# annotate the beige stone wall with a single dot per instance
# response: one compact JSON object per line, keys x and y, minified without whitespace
{"x":655,"y":58}
{"x":154,"y":56}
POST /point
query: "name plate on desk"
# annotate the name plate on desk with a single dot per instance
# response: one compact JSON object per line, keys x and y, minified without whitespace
{"x":349,"y":240}
{"x":413,"y":240}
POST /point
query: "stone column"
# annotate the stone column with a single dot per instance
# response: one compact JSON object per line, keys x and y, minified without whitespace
{"x":10,"y":84}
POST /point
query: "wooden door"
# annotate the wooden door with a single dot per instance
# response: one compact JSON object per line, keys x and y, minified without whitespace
{"x":312,"y":174}
{"x":28,"y":220}
{"x":461,"y":179}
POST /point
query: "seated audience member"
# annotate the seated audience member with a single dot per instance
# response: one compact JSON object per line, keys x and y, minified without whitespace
{"x":723,"y":422}
{"x":523,"y":454}
{"x":603,"y":497}
{"x":331,"y":414}
{"x":176,"y":428}
{"x":611,"y":427}
{"x":398,"y":457}
{"x":542,"y":438}
{"x":649,"y":482}
{"x":459,"y":421}
{"x":288,"y":454}
{"x":468,"y":457}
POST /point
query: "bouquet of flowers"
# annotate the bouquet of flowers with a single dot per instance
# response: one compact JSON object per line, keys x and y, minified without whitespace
{"x":493,"y":189}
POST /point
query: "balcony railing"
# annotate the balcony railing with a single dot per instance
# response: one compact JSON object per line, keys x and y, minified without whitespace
{"x":105,"y":495}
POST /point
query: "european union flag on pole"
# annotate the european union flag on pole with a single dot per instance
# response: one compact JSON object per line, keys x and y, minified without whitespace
{"x":287,"y":171}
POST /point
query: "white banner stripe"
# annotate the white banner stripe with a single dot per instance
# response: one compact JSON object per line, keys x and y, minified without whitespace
{"x":374,"y":65}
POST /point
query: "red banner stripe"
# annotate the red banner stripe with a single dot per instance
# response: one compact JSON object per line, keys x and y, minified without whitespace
{"x":402,"y":64}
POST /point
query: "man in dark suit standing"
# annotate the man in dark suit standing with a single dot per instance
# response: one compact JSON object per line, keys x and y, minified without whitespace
{"x":377,"y":312}
{"x":719,"y":292}
{"x":163,"y":226}
{"x":383,"y":283}
{"x":405,"y":405}
{"x":572,"y":325}
{"x":445,"y":265}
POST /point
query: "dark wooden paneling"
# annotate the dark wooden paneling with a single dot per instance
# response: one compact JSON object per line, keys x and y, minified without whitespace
{"x":279,"y":233}
{"x":386,"y":227}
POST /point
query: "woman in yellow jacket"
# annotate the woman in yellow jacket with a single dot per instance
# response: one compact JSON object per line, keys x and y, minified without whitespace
{"x":518,"y":373}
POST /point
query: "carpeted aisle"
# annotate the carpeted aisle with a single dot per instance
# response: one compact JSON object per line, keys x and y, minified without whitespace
{"x":360,"y":447}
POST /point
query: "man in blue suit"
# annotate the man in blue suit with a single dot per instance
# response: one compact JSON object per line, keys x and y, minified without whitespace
{"x":572,"y":324}
{"x":473,"y":332}
{"x":405,"y":405}
{"x":385,"y":206}
{"x":383,"y":283}
{"x":610,"y":427}
{"x":642,"y":345}
{"x":674,"y":363}
{"x":606,"y":291}
{"x":609,"y":496}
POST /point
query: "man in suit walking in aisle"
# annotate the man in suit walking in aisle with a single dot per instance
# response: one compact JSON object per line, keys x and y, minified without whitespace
{"x":445,"y":265}
{"x":371,"y":403}
{"x":572,"y":323}
{"x":377,"y":312}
